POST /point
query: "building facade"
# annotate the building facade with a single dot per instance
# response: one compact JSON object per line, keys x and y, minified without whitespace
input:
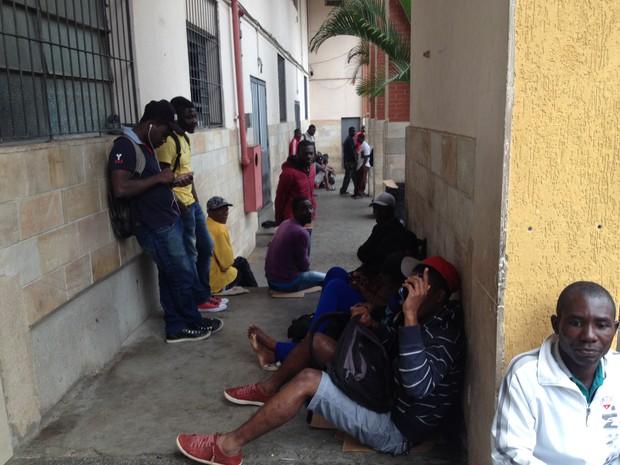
{"x":70,"y":73}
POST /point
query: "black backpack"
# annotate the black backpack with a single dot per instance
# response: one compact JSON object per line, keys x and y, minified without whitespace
{"x":361,"y":367}
{"x":119,"y":209}
{"x":177,"y":145}
{"x":299,"y":327}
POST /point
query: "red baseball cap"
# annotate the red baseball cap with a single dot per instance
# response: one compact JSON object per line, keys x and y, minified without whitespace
{"x":446,"y":270}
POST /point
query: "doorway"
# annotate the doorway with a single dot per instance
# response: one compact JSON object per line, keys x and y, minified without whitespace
{"x":297,"y":115}
{"x":261,"y":132}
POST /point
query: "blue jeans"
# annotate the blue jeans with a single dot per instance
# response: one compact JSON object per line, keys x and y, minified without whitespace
{"x":199,"y":248}
{"x":176,"y":275}
{"x":337,"y":296}
{"x":304,"y":280}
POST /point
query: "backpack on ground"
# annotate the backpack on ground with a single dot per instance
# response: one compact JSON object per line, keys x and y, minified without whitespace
{"x":299,"y":327}
{"x":119,"y":209}
{"x":361,"y":367}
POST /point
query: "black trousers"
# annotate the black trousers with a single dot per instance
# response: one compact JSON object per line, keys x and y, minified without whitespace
{"x":349,"y":174}
{"x":245,"y":277}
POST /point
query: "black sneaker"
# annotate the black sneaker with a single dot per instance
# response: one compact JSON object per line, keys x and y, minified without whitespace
{"x":213,"y":325}
{"x":188,"y":335}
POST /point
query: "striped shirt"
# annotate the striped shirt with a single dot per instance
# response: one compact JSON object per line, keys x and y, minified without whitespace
{"x":429,"y":371}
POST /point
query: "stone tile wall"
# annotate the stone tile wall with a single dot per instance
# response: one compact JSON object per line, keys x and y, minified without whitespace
{"x":439,"y":192}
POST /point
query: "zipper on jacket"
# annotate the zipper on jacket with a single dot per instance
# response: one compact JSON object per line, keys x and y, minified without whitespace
{"x":587,"y":415}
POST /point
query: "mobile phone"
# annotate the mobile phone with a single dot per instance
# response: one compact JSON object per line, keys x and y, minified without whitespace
{"x":403,"y":292}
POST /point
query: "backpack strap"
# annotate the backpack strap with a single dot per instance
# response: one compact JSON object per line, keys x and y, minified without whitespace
{"x":177,"y":145}
{"x":140,"y":158}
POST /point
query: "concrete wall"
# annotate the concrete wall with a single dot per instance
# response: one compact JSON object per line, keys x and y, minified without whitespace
{"x":160,"y":49}
{"x":454,"y":170}
{"x":564,"y":178}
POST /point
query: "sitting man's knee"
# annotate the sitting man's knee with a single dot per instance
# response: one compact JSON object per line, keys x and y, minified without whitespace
{"x":309,"y":379}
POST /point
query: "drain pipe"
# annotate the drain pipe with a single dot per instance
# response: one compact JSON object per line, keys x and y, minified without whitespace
{"x":236,"y":26}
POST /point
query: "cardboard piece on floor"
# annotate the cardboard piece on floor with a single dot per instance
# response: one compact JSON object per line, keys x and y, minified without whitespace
{"x":423,"y":447}
{"x":294,"y":295}
{"x":312,"y":290}
{"x":287,"y":295}
{"x":389,"y":183}
{"x":320,"y":422}
{"x":351,"y":445}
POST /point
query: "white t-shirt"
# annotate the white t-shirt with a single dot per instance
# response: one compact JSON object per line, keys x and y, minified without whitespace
{"x":364,"y":155}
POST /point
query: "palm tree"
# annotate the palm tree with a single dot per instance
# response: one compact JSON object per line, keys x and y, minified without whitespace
{"x":366,"y":19}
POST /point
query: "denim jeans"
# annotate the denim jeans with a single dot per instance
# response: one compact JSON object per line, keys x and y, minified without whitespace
{"x":199,"y":247}
{"x":176,"y":275}
{"x":304,"y":280}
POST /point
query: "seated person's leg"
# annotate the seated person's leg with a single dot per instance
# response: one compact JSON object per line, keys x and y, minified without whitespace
{"x":304,"y":280}
{"x":373,"y":429}
{"x":276,"y":412}
{"x":245,"y":277}
{"x":335,"y":272}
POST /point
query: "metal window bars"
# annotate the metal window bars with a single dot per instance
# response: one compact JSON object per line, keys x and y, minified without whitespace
{"x":204,"y":61}
{"x":66,"y":67}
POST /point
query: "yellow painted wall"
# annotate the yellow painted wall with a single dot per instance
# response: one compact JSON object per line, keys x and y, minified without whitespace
{"x":564,"y":177}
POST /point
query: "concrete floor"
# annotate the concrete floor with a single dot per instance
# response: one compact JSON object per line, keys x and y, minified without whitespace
{"x":131,"y":412}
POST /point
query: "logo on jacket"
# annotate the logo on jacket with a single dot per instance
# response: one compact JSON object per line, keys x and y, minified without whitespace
{"x":118,"y":160}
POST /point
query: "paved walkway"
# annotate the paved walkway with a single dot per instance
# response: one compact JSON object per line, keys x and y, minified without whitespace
{"x":131,"y":412}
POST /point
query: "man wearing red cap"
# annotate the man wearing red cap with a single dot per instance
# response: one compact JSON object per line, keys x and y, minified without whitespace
{"x":427,"y":345}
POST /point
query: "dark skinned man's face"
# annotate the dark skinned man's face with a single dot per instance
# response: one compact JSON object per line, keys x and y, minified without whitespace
{"x":586,"y":330}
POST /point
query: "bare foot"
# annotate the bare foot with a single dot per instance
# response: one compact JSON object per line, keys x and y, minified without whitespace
{"x":265,"y":356}
{"x":262,"y":338}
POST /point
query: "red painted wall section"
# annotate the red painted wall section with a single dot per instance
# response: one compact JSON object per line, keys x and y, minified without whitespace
{"x":380,"y":101}
{"x":398,"y":92}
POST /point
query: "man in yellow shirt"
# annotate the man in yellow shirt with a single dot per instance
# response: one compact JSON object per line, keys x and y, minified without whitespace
{"x":175,"y":153}
{"x":228,"y":274}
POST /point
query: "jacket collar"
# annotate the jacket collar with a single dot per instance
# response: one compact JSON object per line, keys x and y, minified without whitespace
{"x":551,"y":369}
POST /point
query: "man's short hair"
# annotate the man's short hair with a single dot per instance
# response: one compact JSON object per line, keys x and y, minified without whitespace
{"x":351,"y":128}
{"x":298,"y":201}
{"x":312,"y":126}
{"x":583,"y":289}
{"x":302,"y":144}
{"x":181,"y":103}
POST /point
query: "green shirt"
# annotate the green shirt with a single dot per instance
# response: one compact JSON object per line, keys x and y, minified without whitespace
{"x":597,"y":382}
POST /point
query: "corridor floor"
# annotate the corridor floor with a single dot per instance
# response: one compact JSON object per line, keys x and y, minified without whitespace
{"x":131,"y":412}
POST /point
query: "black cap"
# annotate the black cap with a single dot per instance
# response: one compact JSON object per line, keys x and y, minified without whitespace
{"x":163,"y":112}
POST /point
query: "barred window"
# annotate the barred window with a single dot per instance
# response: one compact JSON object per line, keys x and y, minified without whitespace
{"x":203,"y":44}
{"x":282,"y":87}
{"x":66,"y":67}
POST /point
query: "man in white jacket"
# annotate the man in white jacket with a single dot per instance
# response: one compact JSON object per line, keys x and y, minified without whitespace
{"x":560,"y":404}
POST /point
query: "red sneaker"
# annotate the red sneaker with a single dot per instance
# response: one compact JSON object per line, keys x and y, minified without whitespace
{"x":218,"y":300}
{"x":212,"y":307}
{"x":204,"y":449}
{"x":249,"y":394}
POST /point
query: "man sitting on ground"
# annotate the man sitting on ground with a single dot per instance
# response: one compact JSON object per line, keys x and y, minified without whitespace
{"x":340,"y":293}
{"x":228,"y":274}
{"x":287,"y":265}
{"x":387,"y":236}
{"x":558,"y":405}
{"x":430,"y":336}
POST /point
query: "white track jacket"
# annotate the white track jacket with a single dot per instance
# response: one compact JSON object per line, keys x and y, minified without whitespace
{"x":543,"y":418}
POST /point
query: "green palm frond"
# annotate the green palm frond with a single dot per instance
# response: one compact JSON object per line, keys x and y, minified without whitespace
{"x":360,"y":56}
{"x":375,"y":86}
{"x":364,"y":19}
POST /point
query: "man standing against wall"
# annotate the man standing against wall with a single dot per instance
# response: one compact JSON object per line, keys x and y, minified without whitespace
{"x":175,"y":153}
{"x":348,"y":159}
{"x":156,"y":215}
